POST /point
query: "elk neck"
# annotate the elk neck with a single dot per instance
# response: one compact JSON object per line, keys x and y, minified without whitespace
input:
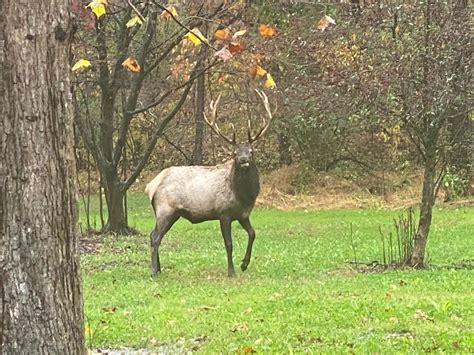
{"x":245,"y":183}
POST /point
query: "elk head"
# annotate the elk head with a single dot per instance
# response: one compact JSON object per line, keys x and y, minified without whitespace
{"x":243,"y":152}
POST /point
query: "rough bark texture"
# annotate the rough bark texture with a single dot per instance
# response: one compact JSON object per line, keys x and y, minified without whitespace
{"x":40,"y":295}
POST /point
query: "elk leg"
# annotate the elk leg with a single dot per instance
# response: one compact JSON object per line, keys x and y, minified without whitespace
{"x":226,"y":234}
{"x":245,"y":223}
{"x":163,"y":225}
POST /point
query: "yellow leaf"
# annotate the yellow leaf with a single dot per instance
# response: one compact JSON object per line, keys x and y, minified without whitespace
{"x":169,"y":12}
{"x":133,"y":21}
{"x":81,"y":63}
{"x":196,"y":36}
{"x":239,"y":33}
{"x":131,"y":64}
{"x":98,"y":7}
{"x":270,"y":83}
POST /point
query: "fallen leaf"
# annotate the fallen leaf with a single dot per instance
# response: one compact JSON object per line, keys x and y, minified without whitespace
{"x":269,"y":82}
{"x":134,"y":21}
{"x":247,"y":311}
{"x":200,"y":339}
{"x":455,"y":318}
{"x":223,"y":54}
{"x":207,"y":308}
{"x":325,"y":21}
{"x":260,"y":71}
{"x":80,"y":64}
{"x":420,"y":315}
{"x":239,"y":34}
{"x":195,"y":36}
{"x":388,"y":296}
{"x":266,"y":30}
{"x":248,"y":350}
{"x":394,"y":319}
{"x":222,"y":34}
{"x":239,"y":327}
{"x":169,"y":12}
{"x":109,"y":309}
{"x":236,"y":47}
{"x":131,"y":64}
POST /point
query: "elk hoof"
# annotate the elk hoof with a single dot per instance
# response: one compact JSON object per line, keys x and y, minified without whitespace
{"x":243,"y":267}
{"x":231,"y":273}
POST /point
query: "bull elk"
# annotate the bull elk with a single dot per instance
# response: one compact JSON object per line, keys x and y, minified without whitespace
{"x":224,"y":192}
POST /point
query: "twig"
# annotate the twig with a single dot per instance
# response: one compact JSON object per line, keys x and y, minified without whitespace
{"x":136,"y":10}
{"x":183,"y":25}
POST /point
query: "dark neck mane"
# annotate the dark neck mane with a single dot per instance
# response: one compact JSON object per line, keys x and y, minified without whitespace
{"x":245,"y":183}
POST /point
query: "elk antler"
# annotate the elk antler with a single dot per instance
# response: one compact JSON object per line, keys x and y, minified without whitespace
{"x":213,"y":124}
{"x":265,"y":123}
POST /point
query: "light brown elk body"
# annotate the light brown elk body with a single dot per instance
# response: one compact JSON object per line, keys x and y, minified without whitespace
{"x":225,"y":192}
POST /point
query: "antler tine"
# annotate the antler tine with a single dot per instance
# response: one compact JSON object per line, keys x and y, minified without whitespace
{"x":213,"y":124}
{"x":266,"y":124}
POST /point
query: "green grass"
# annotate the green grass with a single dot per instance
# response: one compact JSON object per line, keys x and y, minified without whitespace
{"x":297,"y":295}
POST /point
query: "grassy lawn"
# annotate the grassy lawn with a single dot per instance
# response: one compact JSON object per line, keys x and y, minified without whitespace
{"x":299,"y":294}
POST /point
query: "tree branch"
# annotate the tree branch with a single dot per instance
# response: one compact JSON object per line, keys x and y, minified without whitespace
{"x":169,"y":92}
{"x":157,"y":134}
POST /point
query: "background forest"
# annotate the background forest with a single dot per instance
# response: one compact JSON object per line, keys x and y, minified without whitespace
{"x":369,"y":98}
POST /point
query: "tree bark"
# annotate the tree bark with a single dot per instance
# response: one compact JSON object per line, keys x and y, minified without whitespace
{"x":40,"y":294}
{"x":115,"y":197}
{"x":199,"y":120}
{"x":428,"y":197}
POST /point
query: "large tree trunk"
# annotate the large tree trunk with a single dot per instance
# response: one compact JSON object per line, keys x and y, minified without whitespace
{"x":40,"y":295}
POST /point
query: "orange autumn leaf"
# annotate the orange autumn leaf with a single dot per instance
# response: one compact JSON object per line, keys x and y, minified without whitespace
{"x":131,"y":64}
{"x":266,"y":30}
{"x":169,"y":12}
{"x":222,"y":34}
{"x":236,"y":47}
{"x":258,"y":71}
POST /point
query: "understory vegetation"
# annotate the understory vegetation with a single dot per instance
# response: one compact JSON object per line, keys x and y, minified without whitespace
{"x":302,"y":292}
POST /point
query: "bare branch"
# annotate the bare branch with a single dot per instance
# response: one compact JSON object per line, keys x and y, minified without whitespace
{"x":157,"y":134}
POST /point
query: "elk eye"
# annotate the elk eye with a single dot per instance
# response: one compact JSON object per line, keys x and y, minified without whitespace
{"x":250,"y":150}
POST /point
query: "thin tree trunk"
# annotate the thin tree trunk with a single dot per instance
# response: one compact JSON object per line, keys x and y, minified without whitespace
{"x":428,"y":197}
{"x":115,"y":196}
{"x":40,"y":295}
{"x":199,"y":120}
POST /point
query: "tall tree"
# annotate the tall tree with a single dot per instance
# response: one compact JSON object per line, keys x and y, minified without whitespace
{"x":110,"y":99}
{"x":40,"y":296}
